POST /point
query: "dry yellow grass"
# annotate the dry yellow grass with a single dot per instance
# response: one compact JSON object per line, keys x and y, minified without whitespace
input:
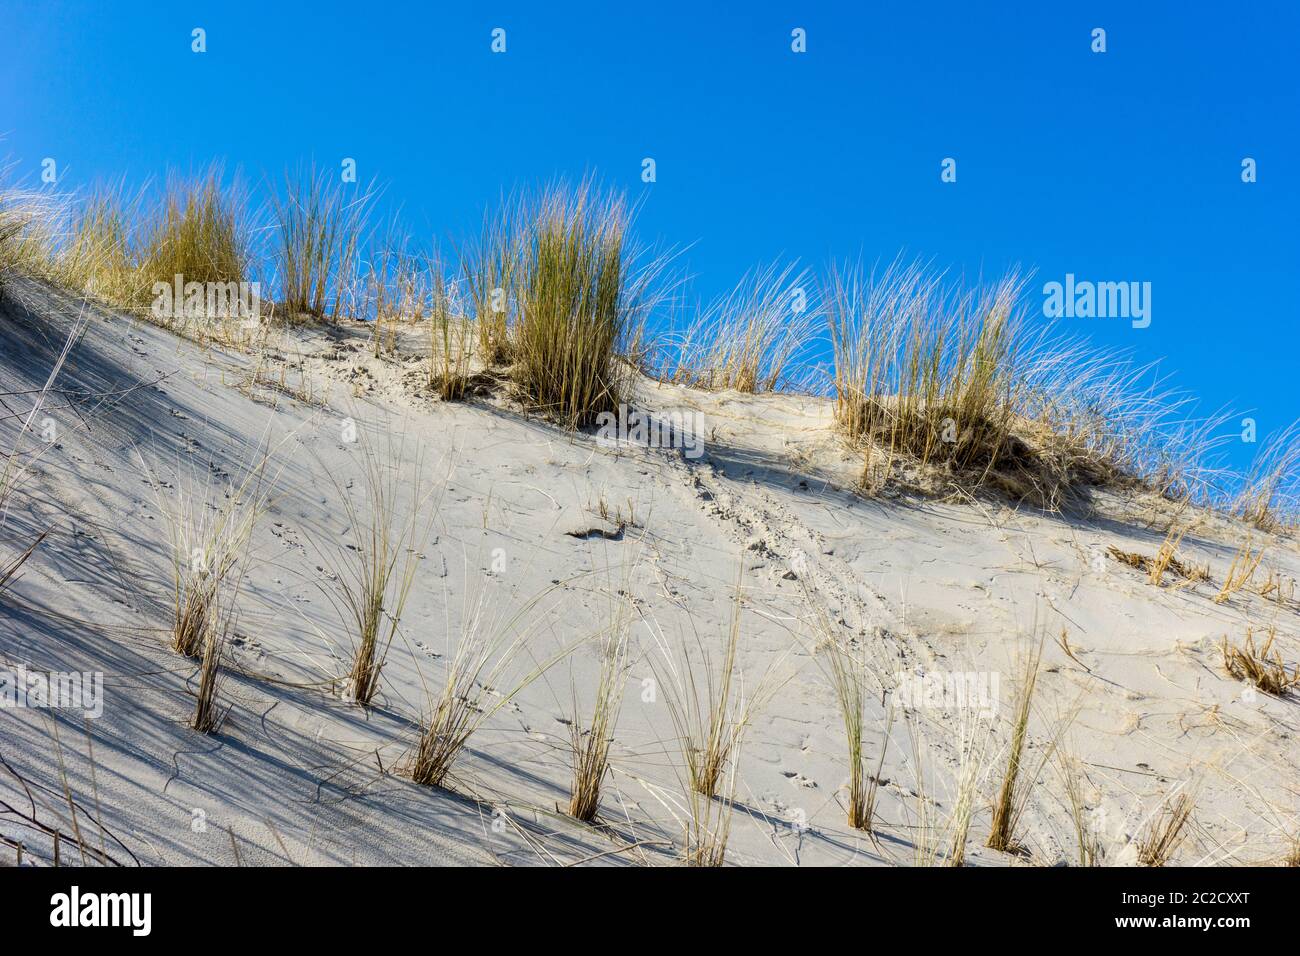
{"x":199,"y":232}
{"x":474,"y":686}
{"x":923,"y":371}
{"x":1086,"y":835}
{"x":490,"y":265}
{"x":1166,"y":557}
{"x":377,"y":573}
{"x":591,"y":742}
{"x":1165,"y":833}
{"x":208,"y":540}
{"x":1165,"y":560}
{"x":848,"y":671}
{"x":1243,"y":567}
{"x":1013,"y":793}
{"x":1261,"y":666}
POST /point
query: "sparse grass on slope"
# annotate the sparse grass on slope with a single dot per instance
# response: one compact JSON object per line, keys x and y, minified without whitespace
{"x":1261,"y":666}
{"x":1017,"y":778}
{"x":473,"y":687}
{"x":939,"y":384}
{"x":1166,"y":831}
{"x":591,"y":742}
{"x":210,"y":535}
{"x":377,"y":572}
{"x":15,"y":462}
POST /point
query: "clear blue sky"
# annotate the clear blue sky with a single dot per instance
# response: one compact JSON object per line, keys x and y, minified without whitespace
{"x":1117,"y":166}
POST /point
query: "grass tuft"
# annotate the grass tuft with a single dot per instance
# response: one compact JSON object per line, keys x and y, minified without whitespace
{"x":377,"y":573}
{"x":208,"y":715}
{"x":591,"y":744}
{"x":320,"y":227}
{"x":1165,"y":833}
{"x":1270,"y":496}
{"x":199,"y":233}
{"x":710,"y":721}
{"x":573,"y":303}
{"x":1243,"y":568}
{"x":209,"y":540}
{"x":848,"y":672}
{"x":1258,"y":666}
{"x":491,"y":266}
{"x":470,"y":691}
{"x":1018,"y":779}
{"x":928,"y":376}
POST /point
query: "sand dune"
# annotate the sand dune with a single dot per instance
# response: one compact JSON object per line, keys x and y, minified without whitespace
{"x":562,"y":527}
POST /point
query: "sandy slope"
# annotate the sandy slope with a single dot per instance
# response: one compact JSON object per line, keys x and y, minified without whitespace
{"x":295,"y":773}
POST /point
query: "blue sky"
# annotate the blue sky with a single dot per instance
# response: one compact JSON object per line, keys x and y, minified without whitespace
{"x":1122,"y":166}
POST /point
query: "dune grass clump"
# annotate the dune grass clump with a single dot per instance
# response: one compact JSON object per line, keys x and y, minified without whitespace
{"x":1291,"y":855}
{"x":939,"y":839}
{"x":952,"y":383}
{"x":199,"y":233}
{"x":572,"y":304}
{"x":1166,"y":557}
{"x":115,"y":245}
{"x":710,"y":720}
{"x":210,"y":541}
{"x":750,"y":339}
{"x":1164,"y":561}
{"x":708,"y":827}
{"x":1261,"y":666}
{"x":32,"y":223}
{"x":397,"y":288}
{"x":208,"y":715}
{"x":928,"y":375}
{"x":1087,"y":837}
{"x":1277,"y":587}
{"x":100,"y":259}
{"x":848,"y":672}
{"x":474,"y":686}
{"x":452,"y":346}
{"x":321,"y":227}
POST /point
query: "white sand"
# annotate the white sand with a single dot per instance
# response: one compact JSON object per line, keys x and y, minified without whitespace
{"x":294,"y":774}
